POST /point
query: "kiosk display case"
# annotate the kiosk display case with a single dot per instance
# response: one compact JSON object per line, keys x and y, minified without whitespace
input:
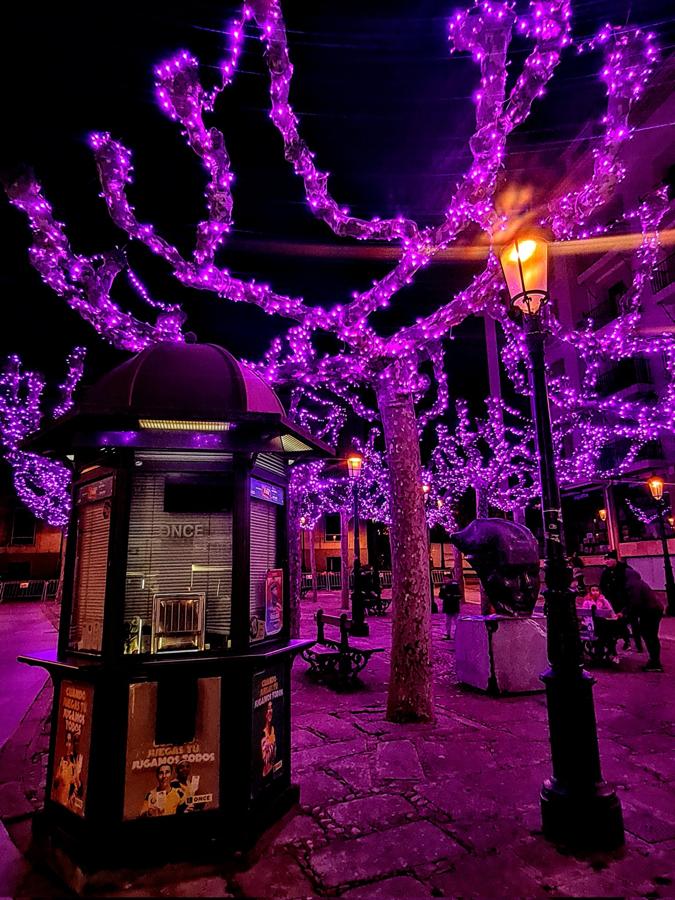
{"x":171,"y":721}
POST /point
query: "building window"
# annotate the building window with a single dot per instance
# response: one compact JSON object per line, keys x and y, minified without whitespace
{"x":332,"y":525}
{"x":23,"y":528}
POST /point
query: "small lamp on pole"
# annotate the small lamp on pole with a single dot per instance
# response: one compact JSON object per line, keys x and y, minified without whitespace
{"x":577,"y":806}
{"x":303,"y":522}
{"x":358,"y":626}
{"x":439,"y":505}
{"x":655,"y":485}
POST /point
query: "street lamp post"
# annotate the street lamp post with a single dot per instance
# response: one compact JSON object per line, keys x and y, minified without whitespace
{"x":359,"y":626}
{"x":656,"y":489}
{"x":303,"y":522}
{"x":426,"y":487}
{"x":577,"y":806}
{"x":439,"y":504}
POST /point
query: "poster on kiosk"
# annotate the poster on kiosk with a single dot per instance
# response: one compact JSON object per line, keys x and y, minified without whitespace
{"x":169,"y":779}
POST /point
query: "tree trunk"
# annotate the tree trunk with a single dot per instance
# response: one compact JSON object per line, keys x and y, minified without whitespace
{"x":312,"y":565}
{"x":294,"y":565}
{"x":410,"y":680}
{"x":458,"y":570}
{"x":482,"y":504}
{"x":344,"y":558}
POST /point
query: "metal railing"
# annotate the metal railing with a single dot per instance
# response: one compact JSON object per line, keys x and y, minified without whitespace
{"x":624,"y":374}
{"x":35,"y":589}
{"x":331,"y":581}
{"x":663,"y":274}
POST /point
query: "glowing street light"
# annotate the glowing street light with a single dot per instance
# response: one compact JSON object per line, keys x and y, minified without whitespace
{"x":359,"y":626}
{"x":577,"y":806}
{"x":655,"y":485}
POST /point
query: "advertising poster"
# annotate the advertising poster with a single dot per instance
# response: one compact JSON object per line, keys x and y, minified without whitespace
{"x":72,"y":746}
{"x":169,"y":779}
{"x":274,"y":601}
{"x":268,"y":729}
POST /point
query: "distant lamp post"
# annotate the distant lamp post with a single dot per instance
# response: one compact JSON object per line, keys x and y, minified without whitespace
{"x":439,"y":504}
{"x":359,"y":626}
{"x":656,"y":488}
{"x":303,"y":522}
{"x":578,"y":807}
{"x":655,"y":485}
{"x":426,"y":487}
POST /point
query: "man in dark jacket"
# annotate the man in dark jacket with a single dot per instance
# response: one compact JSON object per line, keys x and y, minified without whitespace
{"x":634,"y":600}
{"x":613,"y":587}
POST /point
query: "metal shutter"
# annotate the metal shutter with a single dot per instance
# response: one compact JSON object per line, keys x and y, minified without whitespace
{"x":158,"y":562}
{"x":91,"y":566}
{"x":264,"y":517}
{"x":273,"y":462}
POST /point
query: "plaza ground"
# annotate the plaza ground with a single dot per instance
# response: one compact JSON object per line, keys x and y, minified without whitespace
{"x":448,"y":809}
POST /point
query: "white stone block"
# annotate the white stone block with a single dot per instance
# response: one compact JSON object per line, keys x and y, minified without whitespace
{"x":500,"y":654}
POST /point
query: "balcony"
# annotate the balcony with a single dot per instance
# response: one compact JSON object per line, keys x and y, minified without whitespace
{"x":606,"y":309}
{"x":628,"y":373}
{"x":613,"y":455}
{"x":663,"y":274}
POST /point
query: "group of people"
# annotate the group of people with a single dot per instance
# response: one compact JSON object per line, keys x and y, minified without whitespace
{"x":624,"y":597}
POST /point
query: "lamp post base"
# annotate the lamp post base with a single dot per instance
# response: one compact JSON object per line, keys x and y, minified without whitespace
{"x":359,"y":629}
{"x":588,"y":820}
{"x":578,"y":808}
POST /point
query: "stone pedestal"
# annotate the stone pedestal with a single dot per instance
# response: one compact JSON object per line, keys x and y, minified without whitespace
{"x":500,"y":654}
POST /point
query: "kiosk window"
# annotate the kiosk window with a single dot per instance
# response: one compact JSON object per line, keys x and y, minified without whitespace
{"x":180,"y":545}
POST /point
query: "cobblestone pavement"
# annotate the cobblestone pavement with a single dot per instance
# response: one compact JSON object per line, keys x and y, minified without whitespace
{"x":448,"y":809}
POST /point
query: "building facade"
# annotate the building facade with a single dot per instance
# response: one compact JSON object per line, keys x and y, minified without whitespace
{"x":590,"y":287}
{"x":29,"y":549}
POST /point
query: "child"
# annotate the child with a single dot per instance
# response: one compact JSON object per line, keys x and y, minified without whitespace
{"x":595,"y":599}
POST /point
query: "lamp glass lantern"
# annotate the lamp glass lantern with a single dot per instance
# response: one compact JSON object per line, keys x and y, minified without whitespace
{"x":656,"y":487}
{"x":354,"y":465}
{"x":524,"y":263}
{"x":602,"y":514}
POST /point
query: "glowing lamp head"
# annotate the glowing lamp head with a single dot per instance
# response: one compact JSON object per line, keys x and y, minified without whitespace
{"x":425,"y":489}
{"x":525,"y":267}
{"x":602,"y":515}
{"x":439,"y":503}
{"x":656,"y":487}
{"x":354,"y":465}
{"x":671,"y":521}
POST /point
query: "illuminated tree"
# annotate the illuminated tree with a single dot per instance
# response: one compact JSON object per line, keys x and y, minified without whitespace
{"x":388,"y":366}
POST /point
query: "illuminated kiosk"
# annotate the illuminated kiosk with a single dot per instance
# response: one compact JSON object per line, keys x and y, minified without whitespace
{"x":171,"y":719}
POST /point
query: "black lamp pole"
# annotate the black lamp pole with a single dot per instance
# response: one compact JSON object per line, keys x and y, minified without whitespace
{"x":359,"y":626}
{"x":667,"y":564}
{"x":578,"y":807}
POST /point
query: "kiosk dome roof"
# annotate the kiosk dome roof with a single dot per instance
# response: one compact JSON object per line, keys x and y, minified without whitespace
{"x":196,"y":381}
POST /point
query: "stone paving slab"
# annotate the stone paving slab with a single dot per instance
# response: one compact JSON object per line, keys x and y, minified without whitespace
{"x":385,"y":852}
{"x":444,"y":809}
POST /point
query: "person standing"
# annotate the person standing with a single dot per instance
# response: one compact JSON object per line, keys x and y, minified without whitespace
{"x":449,"y":596}
{"x":637,"y":603}
{"x":613,"y":587}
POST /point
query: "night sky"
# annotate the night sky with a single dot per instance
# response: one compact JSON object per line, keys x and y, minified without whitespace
{"x":381,"y":101}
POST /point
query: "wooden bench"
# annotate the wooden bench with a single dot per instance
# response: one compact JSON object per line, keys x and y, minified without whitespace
{"x":336,"y":662}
